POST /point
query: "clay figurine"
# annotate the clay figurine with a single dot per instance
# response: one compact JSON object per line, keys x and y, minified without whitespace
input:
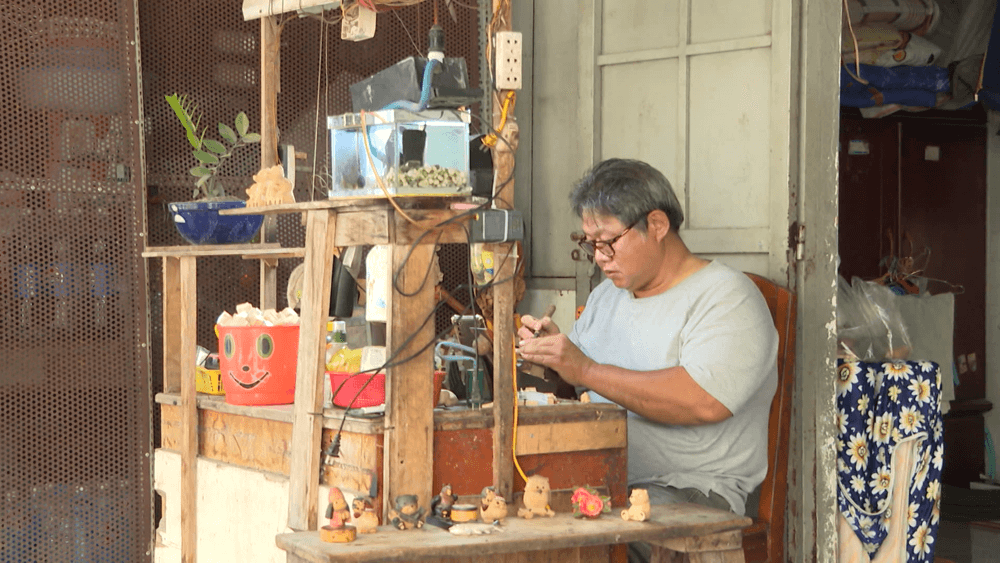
{"x":338,"y":531}
{"x":407,"y":513}
{"x":638,"y":509}
{"x":363,"y":514}
{"x":496,"y":511}
{"x":486,"y":497}
{"x":441,"y":507}
{"x":441,"y":504}
{"x":536,"y":498}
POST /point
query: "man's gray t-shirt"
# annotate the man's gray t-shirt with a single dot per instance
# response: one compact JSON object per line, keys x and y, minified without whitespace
{"x":715,"y":324}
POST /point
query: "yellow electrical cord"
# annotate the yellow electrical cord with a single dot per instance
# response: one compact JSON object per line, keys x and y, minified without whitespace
{"x":508,"y":104}
{"x":514,"y":447}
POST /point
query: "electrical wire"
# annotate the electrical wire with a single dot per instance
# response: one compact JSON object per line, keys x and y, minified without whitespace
{"x":378,"y":177}
{"x":323,"y":40}
{"x":513,"y":372}
{"x":407,"y":31}
{"x":857,"y":52}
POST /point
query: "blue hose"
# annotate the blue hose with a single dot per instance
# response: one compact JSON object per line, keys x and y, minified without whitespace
{"x":425,"y":90}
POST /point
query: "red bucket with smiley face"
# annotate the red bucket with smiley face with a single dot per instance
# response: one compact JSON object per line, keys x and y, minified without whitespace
{"x":257,"y":364}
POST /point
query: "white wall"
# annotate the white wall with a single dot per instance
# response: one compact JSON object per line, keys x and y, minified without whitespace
{"x":232,"y":524}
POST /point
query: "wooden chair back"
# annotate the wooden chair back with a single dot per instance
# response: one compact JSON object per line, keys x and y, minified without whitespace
{"x":764,"y":541}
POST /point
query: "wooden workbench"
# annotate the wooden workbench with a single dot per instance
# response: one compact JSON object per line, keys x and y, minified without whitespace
{"x":706,"y":534}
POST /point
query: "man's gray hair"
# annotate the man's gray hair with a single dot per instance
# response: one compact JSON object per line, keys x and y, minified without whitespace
{"x":627,"y":190}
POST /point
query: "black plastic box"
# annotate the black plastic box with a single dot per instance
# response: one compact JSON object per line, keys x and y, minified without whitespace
{"x":402,"y":81}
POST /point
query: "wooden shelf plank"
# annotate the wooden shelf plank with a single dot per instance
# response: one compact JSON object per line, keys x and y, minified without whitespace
{"x":519,"y":535}
{"x":268,"y":250}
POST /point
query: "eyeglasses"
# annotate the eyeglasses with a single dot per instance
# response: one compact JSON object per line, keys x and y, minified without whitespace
{"x":606,"y":247}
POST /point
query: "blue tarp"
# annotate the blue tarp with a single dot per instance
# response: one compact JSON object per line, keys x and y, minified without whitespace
{"x":906,"y":85}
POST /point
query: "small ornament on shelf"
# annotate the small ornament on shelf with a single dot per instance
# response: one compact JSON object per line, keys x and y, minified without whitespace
{"x":407,"y":513}
{"x":638,"y":509}
{"x":495,"y":511}
{"x":588,"y":503}
{"x":536,"y":498}
{"x":363,"y":515}
{"x":338,"y":530}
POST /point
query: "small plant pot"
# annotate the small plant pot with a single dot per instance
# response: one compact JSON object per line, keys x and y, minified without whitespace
{"x":199,"y":222}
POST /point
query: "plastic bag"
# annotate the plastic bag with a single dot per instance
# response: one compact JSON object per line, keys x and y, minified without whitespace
{"x":869,"y":325}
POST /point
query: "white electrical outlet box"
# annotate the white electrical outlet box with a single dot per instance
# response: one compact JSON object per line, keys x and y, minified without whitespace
{"x":358,"y":23}
{"x":507,"y":47}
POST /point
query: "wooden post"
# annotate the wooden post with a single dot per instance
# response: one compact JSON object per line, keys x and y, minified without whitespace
{"x":503,"y":328}
{"x":171,"y":325}
{"x":409,"y":388}
{"x":187,"y":269}
{"x":503,"y":294}
{"x":307,"y":422}
{"x":270,"y":85}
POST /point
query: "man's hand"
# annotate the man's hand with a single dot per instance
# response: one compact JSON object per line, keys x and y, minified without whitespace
{"x":558,"y":353}
{"x":530,"y":325}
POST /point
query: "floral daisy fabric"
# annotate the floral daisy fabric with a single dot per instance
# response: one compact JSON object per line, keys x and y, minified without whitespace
{"x":879,"y":406}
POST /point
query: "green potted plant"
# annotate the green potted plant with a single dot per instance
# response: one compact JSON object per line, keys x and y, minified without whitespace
{"x":199,"y":221}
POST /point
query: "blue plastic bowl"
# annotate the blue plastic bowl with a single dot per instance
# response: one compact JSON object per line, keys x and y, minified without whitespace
{"x":199,"y":222}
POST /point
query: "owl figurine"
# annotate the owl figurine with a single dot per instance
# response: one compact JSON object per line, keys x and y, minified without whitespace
{"x":536,"y":498}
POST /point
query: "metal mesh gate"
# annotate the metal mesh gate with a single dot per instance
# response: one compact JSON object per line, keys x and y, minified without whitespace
{"x":74,"y":356}
{"x":205,"y":50}
{"x":74,"y":359}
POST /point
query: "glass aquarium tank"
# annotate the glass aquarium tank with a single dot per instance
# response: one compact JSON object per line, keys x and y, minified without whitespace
{"x":410,"y":153}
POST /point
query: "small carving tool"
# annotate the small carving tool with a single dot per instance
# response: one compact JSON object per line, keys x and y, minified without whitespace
{"x":547,"y":314}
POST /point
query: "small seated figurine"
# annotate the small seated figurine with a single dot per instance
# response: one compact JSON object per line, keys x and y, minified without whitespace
{"x":638,"y":509}
{"x":363,"y":513}
{"x":441,"y":506}
{"x":338,"y":531}
{"x":536,"y":498}
{"x":407,"y":513}
{"x":496,"y":511}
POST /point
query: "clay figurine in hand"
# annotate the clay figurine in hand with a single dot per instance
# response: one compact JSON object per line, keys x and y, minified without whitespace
{"x":338,"y":531}
{"x":363,"y":513}
{"x":496,"y":511}
{"x":638,"y":509}
{"x":536,"y":498}
{"x":407,"y":513}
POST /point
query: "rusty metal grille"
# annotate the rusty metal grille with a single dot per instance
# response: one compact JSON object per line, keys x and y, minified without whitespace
{"x":74,"y":355}
{"x":206,"y":50}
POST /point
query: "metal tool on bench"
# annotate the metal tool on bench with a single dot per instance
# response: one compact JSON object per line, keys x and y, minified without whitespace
{"x":475,"y":380}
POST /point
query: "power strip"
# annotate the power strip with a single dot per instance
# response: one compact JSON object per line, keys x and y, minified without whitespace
{"x":507,"y":46}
